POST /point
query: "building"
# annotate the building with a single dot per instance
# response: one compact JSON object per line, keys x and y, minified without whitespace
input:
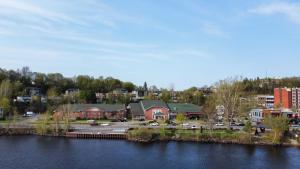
{"x":283,"y":98}
{"x":120,"y":91}
{"x":257,"y":115}
{"x":137,"y":95}
{"x":296,"y":98}
{"x":189,"y":110}
{"x":151,"y":109}
{"x":136,"y":111}
{"x":97,"y":111}
{"x":266,"y":101}
{"x":71,"y":92}
{"x":155,"y":110}
{"x":33,"y":91}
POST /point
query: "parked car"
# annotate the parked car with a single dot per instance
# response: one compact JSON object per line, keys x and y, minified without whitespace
{"x":93,"y":122}
{"x":240,"y":124}
{"x":105,"y":124}
{"x":219,"y":124}
{"x":194,"y":127}
{"x":123,"y":120}
{"x":233,"y":124}
{"x":185,"y":124}
{"x":28,"y":114}
{"x":172,"y":123}
{"x":154,"y":124}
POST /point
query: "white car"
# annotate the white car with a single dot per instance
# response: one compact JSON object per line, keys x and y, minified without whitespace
{"x":105,"y":124}
{"x":219,"y":124}
{"x":194,"y":127}
{"x":185,"y":124}
{"x":154,"y":124}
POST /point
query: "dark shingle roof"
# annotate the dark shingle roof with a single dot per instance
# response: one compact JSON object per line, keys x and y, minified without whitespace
{"x":136,"y":109}
{"x":184,"y":107}
{"x":147,"y":104}
{"x":104,"y":107}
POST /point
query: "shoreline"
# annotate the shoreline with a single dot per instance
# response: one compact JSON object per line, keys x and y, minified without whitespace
{"x":151,"y":137}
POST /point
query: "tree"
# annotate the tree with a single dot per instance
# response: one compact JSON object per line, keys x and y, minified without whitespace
{"x":165,"y":96}
{"x":66,"y":110}
{"x":278,"y":125}
{"x":209,"y":109}
{"x":180,"y":118}
{"x":56,"y":119}
{"x":228,"y":94}
{"x":128,"y":86}
{"x":43,"y":126}
{"x":5,"y":89}
{"x":5,"y":104}
{"x":248,"y":128}
{"x":145,"y":87}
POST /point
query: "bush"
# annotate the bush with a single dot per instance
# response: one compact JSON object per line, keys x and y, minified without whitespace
{"x":143,"y":134}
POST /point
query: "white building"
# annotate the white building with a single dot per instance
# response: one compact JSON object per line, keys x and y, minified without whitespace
{"x":220,"y":113}
{"x":266,"y":101}
{"x":256,"y":115}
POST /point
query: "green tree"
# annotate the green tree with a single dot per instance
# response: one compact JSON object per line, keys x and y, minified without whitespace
{"x":278,"y":125}
{"x":165,"y":96}
{"x":128,"y":86}
{"x":180,"y":118}
{"x":248,"y":128}
{"x":5,"y":104}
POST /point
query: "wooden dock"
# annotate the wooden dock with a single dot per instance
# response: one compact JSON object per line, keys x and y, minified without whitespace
{"x":87,"y":135}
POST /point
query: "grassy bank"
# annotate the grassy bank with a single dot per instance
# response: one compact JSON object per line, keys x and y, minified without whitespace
{"x":215,"y":136}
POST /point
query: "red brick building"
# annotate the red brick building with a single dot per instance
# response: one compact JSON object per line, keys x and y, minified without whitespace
{"x":155,"y":109}
{"x":97,"y":111}
{"x":283,"y":97}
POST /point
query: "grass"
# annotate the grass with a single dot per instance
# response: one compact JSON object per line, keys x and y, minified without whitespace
{"x":184,"y":134}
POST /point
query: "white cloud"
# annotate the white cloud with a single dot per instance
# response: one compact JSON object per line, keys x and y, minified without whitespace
{"x":290,"y":10}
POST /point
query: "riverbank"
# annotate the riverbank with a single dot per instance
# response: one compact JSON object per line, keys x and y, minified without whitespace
{"x":147,"y":135}
{"x":216,"y":136}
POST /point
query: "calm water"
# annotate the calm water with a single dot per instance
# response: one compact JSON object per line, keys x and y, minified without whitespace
{"x":30,"y":152}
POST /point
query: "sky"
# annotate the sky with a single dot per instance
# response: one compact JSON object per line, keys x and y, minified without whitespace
{"x":178,"y":43}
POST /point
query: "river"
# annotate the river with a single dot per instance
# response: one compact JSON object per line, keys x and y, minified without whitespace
{"x":33,"y":152}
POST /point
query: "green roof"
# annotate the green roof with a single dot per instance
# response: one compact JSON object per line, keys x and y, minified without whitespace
{"x":136,"y":109}
{"x":184,"y":107}
{"x":104,"y":107}
{"x":147,"y":104}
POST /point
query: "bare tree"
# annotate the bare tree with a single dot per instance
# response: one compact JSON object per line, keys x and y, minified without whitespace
{"x":228,"y":94}
{"x":209,"y":109}
{"x":5,"y":89}
{"x":66,"y":110}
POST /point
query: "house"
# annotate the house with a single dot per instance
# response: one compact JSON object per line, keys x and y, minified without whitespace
{"x":257,"y":115}
{"x":150,"y":110}
{"x":97,"y":111}
{"x":120,"y":91}
{"x":33,"y":91}
{"x":71,"y":92}
{"x":137,"y":95}
{"x":189,"y":110}
{"x":136,"y":111}
{"x":155,"y":110}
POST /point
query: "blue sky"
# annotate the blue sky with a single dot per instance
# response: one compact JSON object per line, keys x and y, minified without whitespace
{"x":164,"y":42}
